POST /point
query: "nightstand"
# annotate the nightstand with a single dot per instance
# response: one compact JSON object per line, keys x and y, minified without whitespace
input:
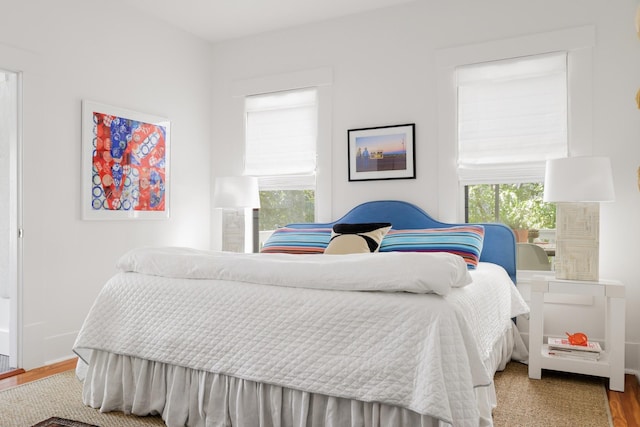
{"x":611,"y":362}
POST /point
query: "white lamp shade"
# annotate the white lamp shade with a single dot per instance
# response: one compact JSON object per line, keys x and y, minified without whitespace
{"x":236,"y":192}
{"x":578,"y":179}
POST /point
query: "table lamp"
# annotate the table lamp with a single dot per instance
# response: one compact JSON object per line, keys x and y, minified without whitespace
{"x":578,"y":185}
{"x":233,"y":194}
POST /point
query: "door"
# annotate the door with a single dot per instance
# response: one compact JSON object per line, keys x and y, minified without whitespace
{"x":9,"y":93}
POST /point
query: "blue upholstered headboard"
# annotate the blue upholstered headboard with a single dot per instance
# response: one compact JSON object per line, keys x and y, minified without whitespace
{"x":499,"y":242}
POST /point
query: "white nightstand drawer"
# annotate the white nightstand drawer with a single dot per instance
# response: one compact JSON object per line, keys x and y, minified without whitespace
{"x":576,"y":289}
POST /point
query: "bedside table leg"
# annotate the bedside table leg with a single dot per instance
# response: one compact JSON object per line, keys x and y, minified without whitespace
{"x":536,"y":338}
{"x":614,"y":340}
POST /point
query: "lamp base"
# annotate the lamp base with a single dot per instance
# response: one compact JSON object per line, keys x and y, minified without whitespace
{"x":233,"y":230}
{"x":238,"y":233}
{"x":256,"y":230}
{"x":577,"y":241}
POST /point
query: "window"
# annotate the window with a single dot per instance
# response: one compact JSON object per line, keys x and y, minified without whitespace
{"x":280,"y":142}
{"x":512,"y":117}
{"x":497,"y":184}
{"x":577,"y":42}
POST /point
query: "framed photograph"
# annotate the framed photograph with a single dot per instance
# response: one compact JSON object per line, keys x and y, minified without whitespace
{"x":125,"y":164}
{"x":385,"y":152}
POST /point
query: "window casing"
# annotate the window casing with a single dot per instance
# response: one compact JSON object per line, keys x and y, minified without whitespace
{"x":578,"y":44}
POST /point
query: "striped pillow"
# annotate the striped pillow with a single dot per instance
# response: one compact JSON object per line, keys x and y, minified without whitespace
{"x":287,"y":240}
{"x":464,"y":240}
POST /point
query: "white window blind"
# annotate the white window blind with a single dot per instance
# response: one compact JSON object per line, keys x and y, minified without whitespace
{"x":281,"y":133}
{"x":512,"y":117}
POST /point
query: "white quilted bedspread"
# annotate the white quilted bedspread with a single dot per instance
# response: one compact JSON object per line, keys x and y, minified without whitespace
{"x":419,"y":351}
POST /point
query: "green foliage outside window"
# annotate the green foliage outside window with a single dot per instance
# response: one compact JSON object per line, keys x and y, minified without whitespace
{"x":281,"y":207}
{"x":517,"y":205}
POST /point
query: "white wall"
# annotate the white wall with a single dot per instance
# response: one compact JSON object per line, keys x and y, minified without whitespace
{"x":72,"y":50}
{"x":384,"y":72}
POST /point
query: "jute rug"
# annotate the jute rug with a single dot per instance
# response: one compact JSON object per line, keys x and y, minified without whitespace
{"x":556,"y":400}
{"x":59,"y":396}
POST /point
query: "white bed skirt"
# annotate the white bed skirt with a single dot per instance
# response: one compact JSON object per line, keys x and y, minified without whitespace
{"x":188,"y":397}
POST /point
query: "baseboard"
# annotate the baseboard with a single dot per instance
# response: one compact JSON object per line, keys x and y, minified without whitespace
{"x":59,"y":347}
{"x":633,"y":372}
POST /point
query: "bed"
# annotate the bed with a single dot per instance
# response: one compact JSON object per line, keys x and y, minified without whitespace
{"x":409,"y":335}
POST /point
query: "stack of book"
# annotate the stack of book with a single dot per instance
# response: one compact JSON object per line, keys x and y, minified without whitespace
{"x":560,"y":347}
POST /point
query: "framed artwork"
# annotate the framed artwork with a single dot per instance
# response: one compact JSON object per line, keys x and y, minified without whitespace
{"x":385,"y":152}
{"x":125,"y":164}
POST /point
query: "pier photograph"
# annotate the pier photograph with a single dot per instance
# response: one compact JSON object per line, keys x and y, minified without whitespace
{"x":381,"y":153}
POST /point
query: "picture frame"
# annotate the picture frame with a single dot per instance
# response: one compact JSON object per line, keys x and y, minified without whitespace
{"x":383,"y":152}
{"x":125,"y":164}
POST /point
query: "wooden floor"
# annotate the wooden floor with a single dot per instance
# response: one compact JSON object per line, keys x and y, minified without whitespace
{"x":625,"y":407}
{"x":38,"y":373}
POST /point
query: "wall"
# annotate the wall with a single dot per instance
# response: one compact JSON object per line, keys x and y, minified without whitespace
{"x":72,"y":50}
{"x":384,"y":72}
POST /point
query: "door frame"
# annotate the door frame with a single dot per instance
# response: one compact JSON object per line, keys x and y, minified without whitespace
{"x":15,"y":322}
